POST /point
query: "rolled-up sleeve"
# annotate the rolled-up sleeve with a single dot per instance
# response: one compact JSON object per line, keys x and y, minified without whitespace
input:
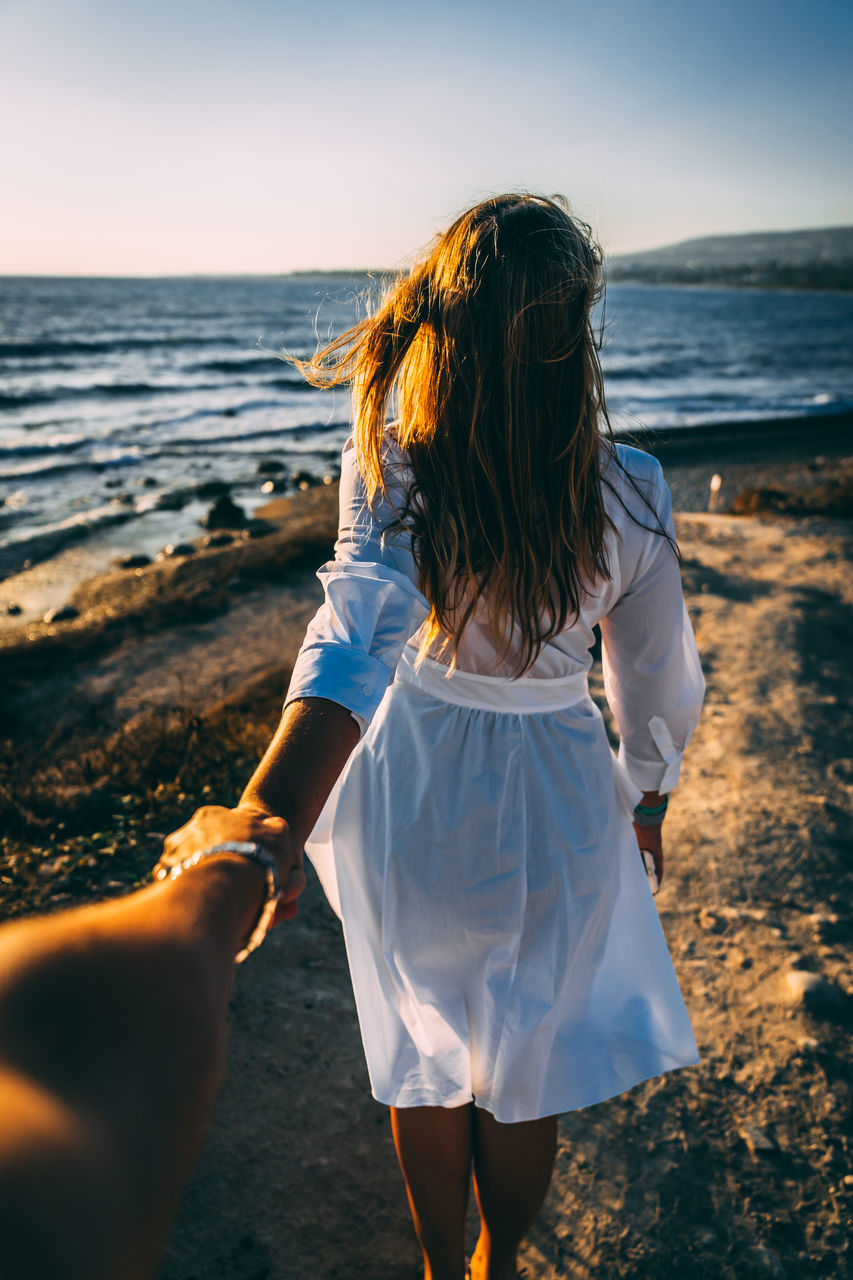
{"x":652,"y":675}
{"x":372,"y":606}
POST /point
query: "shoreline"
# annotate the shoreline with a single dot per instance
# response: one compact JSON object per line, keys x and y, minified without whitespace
{"x":743,"y":453}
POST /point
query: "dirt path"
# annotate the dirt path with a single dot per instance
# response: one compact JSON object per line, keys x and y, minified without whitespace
{"x":740,"y":1167}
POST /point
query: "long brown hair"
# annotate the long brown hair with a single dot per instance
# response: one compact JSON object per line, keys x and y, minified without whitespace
{"x":486,"y":356}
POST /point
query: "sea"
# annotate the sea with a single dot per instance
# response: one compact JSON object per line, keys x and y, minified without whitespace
{"x":121,"y":400}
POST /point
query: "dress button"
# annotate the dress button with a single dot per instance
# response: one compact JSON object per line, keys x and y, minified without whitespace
{"x":367,"y":689}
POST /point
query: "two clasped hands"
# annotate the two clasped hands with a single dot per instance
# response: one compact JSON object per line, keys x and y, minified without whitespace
{"x":213,"y":826}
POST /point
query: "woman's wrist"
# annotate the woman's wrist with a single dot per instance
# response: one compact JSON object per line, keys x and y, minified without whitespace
{"x":651,"y":810}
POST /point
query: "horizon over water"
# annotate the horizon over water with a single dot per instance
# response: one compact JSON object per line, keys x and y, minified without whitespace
{"x":120,"y":396}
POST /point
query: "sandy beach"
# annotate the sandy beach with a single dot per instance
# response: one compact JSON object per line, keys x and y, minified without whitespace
{"x":161,"y":690}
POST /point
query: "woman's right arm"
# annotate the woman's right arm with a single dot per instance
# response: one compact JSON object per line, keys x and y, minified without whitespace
{"x":344,"y":666}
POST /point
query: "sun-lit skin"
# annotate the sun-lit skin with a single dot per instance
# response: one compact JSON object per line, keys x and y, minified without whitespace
{"x":215,"y":137}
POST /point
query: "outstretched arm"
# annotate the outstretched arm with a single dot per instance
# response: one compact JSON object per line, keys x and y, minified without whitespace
{"x":112,"y":1043}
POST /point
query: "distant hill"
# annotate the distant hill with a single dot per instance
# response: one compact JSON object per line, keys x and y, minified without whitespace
{"x":818,"y":259}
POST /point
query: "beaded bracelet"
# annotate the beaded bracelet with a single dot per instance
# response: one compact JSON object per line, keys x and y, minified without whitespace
{"x":650,"y":815}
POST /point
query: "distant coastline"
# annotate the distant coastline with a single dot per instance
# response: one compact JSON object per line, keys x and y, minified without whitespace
{"x":818,"y":260}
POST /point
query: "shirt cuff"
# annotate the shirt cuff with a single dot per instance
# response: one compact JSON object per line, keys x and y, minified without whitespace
{"x":650,"y":775}
{"x":347,"y":676}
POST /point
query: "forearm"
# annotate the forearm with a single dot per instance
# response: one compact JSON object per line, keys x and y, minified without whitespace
{"x":301,"y":765}
{"x":112,"y":1025}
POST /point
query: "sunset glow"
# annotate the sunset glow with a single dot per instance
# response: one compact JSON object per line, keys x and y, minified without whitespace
{"x":190,"y":137}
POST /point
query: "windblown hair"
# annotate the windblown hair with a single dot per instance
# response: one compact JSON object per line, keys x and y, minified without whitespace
{"x":486,"y":356}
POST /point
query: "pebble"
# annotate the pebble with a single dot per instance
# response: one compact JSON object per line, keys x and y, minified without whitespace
{"x":212,"y":489}
{"x":224,"y":514}
{"x":177,"y":549}
{"x":278,"y":485}
{"x":815,"y":993}
{"x":61,"y":614}
{"x":217,"y":540}
{"x":269,"y":467}
{"x":737,"y":959}
{"x":756,"y":1139}
{"x":304,"y":480}
{"x":135,"y":561}
{"x":13,"y":610}
{"x":711,"y":921}
{"x":772,"y":1262}
{"x":171,"y":501}
{"x":52,"y":866}
{"x":826,"y":926}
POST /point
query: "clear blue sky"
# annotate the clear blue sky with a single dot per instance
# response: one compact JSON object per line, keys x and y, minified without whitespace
{"x":248,"y":135}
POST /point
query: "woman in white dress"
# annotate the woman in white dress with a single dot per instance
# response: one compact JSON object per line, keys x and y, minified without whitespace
{"x":439,"y":753}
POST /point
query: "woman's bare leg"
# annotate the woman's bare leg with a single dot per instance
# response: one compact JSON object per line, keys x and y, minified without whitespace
{"x":512,"y":1170}
{"x":434,"y":1150}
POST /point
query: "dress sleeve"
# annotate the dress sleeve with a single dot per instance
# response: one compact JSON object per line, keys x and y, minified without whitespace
{"x":652,"y":676}
{"x":372,"y":607}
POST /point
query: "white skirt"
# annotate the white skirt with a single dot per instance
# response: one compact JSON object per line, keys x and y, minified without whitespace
{"x":503,"y":941}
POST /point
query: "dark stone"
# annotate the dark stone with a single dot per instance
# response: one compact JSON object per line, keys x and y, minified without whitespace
{"x":136,"y":561}
{"x":146,"y":482}
{"x":62,"y":614}
{"x":13,"y":610}
{"x":225,"y":514}
{"x":258,"y":529}
{"x":212,"y":489}
{"x":304,"y":480}
{"x":217,"y":540}
{"x":229,"y":413}
{"x":123,"y":499}
{"x":177,"y":549}
{"x":279,"y":485}
{"x":270,"y":467}
{"x":751,"y":501}
{"x":171,"y":501}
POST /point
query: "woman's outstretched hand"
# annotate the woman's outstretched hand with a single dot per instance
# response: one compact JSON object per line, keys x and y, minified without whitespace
{"x":215,"y":824}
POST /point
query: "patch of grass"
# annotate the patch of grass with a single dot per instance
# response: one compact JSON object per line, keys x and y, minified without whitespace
{"x":77,"y":812}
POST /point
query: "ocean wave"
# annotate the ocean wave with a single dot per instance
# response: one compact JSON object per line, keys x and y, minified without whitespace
{"x":241,"y":364}
{"x":27,"y":447}
{"x":100,"y":346}
{"x":109,"y":390}
{"x":649,"y":371}
{"x":173,"y":443}
{"x":31,"y":546}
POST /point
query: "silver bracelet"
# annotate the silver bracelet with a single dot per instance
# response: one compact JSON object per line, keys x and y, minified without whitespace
{"x":256,"y":853}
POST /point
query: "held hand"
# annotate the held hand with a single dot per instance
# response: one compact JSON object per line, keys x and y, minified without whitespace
{"x":214,"y":824}
{"x":651,"y":838}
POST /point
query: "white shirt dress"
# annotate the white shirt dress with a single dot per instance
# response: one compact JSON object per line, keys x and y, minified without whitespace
{"x":502,"y":938}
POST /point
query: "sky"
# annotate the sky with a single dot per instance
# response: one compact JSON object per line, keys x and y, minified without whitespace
{"x":187,"y":136}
